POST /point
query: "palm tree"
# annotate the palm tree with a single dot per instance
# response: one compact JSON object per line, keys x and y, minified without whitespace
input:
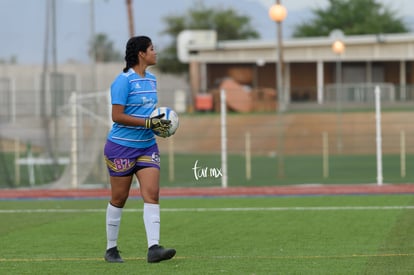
{"x":103,"y":49}
{"x":130,"y":18}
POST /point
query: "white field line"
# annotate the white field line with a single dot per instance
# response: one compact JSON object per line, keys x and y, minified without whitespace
{"x":223,"y":257}
{"x":225,"y":209}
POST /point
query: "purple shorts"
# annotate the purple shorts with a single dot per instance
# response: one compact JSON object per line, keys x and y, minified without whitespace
{"x":124,"y":161}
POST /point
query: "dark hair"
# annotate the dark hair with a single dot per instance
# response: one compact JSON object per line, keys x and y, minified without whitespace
{"x":135,"y":45}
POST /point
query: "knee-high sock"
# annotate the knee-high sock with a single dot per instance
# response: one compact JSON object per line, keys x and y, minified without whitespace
{"x":152,"y":223}
{"x":113,"y":221}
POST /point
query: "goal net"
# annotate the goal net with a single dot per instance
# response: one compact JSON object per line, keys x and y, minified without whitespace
{"x":87,"y":119}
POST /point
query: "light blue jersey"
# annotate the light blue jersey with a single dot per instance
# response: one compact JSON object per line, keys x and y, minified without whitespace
{"x":139,"y":96}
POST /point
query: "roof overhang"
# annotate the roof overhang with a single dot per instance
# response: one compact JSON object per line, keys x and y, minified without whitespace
{"x":382,"y":47}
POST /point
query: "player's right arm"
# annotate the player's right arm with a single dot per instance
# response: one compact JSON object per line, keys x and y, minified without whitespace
{"x":119,"y":116}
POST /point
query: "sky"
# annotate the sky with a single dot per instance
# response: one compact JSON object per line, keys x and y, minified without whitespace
{"x":23,"y":23}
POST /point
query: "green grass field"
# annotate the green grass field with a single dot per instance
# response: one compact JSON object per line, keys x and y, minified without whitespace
{"x":298,"y":169}
{"x":370,"y":234}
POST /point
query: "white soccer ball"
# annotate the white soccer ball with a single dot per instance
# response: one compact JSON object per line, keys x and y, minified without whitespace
{"x":170,"y":114}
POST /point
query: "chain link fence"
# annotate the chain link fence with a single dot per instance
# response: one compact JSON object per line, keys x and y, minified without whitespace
{"x":55,"y":138}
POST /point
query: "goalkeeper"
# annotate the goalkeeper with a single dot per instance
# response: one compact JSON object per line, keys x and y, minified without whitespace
{"x":131,"y":148}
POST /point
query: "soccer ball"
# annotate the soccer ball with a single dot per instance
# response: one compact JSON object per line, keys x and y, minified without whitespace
{"x":170,"y":114}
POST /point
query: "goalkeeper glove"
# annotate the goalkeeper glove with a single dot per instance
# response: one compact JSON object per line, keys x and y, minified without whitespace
{"x":159,"y":125}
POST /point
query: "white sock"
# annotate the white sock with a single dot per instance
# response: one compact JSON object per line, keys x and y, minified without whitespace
{"x":152,"y":223}
{"x":113,"y":220}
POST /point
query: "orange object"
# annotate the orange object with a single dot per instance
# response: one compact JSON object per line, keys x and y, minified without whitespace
{"x":204,"y":102}
{"x":237,"y":97}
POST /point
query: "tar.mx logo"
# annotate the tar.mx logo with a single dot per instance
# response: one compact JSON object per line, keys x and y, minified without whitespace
{"x":206,"y":172}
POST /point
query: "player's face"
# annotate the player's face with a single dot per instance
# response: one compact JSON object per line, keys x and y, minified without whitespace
{"x":150,"y":56}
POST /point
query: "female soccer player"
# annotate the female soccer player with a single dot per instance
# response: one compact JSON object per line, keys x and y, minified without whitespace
{"x":131,"y":148}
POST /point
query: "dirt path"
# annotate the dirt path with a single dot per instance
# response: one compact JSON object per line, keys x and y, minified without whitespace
{"x":302,"y":190}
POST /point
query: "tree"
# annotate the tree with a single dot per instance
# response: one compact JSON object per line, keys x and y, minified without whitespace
{"x":227,"y":22}
{"x":103,"y":49}
{"x":352,"y":17}
{"x":10,"y":60}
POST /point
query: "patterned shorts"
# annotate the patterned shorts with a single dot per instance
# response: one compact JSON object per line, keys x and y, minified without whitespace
{"x":124,"y":161}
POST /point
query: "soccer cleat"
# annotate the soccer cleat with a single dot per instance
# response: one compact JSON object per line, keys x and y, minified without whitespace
{"x":157,"y":253}
{"x":112,"y":255}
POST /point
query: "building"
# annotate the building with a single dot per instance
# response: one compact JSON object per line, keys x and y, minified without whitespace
{"x":312,"y":72}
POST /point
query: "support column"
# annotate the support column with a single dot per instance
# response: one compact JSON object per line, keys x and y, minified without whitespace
{"x":194,"y":82}
{"x":403,"y":81}
{"x":319,"y":81}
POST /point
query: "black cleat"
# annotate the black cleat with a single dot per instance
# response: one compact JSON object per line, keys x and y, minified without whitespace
{"x":157,"y":253}
{"x":112,"y":255}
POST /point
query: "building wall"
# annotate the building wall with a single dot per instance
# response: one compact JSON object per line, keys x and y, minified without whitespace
{"x":392,"y":72}
{"x":410,"y":72}
{"x":21,"y":85}
{"x":302,"y":77}
{"x":303,"y":81}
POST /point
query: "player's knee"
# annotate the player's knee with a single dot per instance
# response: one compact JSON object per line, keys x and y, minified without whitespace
{"x":119,"y":201}
{"x":151,"y":198}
